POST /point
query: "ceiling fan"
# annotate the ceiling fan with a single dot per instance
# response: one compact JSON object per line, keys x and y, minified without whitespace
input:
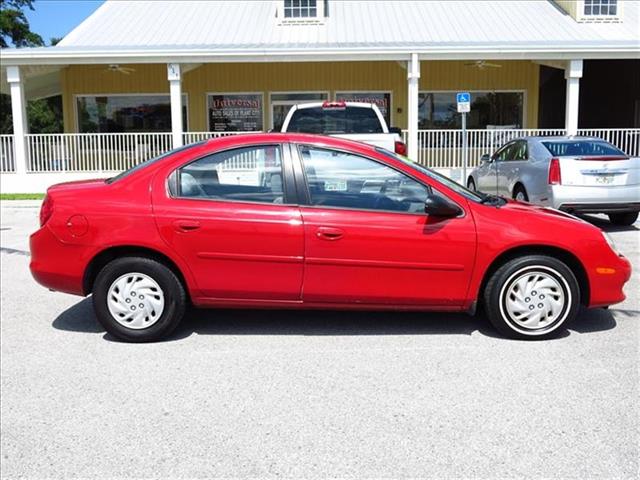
{"x":482,"y":64}
{"x":114,"y":67}
{"x":120,"y":69}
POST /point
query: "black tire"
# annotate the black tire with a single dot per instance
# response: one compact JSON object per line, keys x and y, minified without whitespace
{"x":519,"y":189}
{"x":171,"y":289}
{"x":626,"y":218}
{"x":499,"y":290}
{"x":471,"y":185}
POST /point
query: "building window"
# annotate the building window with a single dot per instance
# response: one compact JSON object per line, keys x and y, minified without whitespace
{"x":381,"y":99}
{"x":126,"y":113}
{"x":600,"y":7}
{"x":235,"y":112}
{"x":438,"y":110}
{"x":300,"y":9}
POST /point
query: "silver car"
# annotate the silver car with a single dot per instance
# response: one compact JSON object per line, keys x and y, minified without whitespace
{"x":573,"y":174}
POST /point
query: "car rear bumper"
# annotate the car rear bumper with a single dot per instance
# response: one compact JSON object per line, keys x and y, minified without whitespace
{"x":596,"y":199}
{"x":56,"y":265}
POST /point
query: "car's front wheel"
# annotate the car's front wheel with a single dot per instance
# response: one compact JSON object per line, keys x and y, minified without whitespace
{"x":471,"y":185}
{"x":532,"y":297}
{"x":626,"y":218}
{"x":138,"y":299}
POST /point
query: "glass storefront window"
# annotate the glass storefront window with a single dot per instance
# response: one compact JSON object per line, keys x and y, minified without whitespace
{"x":381,"y":99}
{"x":126,"y":113}
{"x":438,"y":110}
{"x":235,"y":112}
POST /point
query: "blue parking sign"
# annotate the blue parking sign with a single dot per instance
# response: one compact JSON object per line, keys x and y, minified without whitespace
{"x":463,"y":100}
{"x":463,"y":97}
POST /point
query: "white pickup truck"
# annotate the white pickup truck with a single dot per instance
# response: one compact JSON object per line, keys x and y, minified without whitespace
{"x":362,"y":122}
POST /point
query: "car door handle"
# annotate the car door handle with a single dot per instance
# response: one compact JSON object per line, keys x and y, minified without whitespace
{"x":186,"y":225}
{"x":329,"y":233}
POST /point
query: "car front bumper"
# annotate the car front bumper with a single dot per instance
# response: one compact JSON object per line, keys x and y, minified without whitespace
{"x":596,"y":199}
{"x":607,"y":280}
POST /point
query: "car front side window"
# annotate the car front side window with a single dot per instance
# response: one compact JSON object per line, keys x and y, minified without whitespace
{"x":344,"y":180}
{"x":249,"y":174}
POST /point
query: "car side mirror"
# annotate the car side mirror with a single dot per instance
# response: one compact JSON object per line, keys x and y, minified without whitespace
{"x":486,"y":158}
{"x":438,"y":206}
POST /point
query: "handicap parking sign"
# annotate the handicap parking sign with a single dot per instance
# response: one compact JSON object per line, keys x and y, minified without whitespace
{"x":463,"y":100}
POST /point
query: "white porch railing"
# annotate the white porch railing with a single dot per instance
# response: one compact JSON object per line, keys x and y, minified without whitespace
{"x":92,"y":152}
{"x":100,"y":152}
{"x":115,"y":152}
{"x":7,"y":163}
{"x":443,"y":148}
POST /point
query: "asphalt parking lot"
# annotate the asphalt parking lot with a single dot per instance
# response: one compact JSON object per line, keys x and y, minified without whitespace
{"x":311,"y":394}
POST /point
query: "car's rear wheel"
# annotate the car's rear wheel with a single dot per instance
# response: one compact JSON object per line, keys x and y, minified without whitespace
{"x":532,"y":297}
{"x":471,"y":185}
{"x":520,"y":194}
{"x":626,"y":218}
{"x":138,"y":299}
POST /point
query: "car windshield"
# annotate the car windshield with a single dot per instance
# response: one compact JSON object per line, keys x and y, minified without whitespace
{"x":581,"y":148}
{"x":334,"y":120}
{"x":456,"y":187}
{"x":143,"y":165}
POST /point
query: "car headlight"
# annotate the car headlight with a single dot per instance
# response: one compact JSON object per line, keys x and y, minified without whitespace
{"x":610,"y":242}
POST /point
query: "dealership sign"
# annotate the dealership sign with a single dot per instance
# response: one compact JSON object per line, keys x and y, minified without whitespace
{"x":236,"y":112}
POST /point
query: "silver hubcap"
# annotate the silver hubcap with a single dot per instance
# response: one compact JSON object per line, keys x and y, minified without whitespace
{"x":534,"y":299}
{"x":520,"y":197}
{"x":135,"y":300}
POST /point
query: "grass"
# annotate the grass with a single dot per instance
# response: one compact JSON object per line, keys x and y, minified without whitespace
{"x":21,"y":196}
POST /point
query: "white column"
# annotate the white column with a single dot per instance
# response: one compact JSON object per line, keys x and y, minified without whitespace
{"x":413,"y":78}
{"x":175,"y":89}
{"x":19,"y":113}
{"x":573,"y":73}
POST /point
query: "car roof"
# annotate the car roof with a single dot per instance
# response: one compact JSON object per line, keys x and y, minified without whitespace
{"x":278,"y":137}
{"x":560,"y":138}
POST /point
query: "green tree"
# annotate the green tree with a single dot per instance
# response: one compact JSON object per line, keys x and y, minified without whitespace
{"x":44,"y":115}
{"x":14,"y":26}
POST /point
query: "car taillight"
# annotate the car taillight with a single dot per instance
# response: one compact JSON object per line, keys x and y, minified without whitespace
{"x":555,"y":177}
{"x":46,"y":210}
{"x":401,"y":148}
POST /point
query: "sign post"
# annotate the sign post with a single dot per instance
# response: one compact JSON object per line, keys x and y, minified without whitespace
{"x":463,"y":99}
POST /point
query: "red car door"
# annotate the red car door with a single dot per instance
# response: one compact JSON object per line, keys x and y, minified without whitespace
{"x":227,"y":215}
{"x":368,"y":240}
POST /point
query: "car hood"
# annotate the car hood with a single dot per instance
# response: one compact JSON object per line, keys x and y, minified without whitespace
{"x":525,"y":208}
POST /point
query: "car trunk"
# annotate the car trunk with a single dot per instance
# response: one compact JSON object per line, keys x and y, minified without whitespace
{"x":600,"y":171}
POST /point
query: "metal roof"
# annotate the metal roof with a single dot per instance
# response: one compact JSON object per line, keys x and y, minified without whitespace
{"x":153,"y":31}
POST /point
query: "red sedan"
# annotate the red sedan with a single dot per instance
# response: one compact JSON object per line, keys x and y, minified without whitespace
{"x":303,"y":221}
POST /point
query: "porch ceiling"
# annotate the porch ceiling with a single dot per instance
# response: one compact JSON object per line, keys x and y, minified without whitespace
{"x":40,"y":81}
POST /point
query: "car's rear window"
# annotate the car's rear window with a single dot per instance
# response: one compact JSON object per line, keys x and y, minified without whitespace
{"x":151,"y":161}
{"x":335,"y":121}
{"x":582,"y":148}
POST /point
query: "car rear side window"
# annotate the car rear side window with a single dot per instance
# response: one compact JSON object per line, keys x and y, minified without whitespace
{"x":344,"y":180}
{"x":335,"y":120}
{"x":144,"y":165}
{"x":582,"y":148}
{"x":249,"y":174}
